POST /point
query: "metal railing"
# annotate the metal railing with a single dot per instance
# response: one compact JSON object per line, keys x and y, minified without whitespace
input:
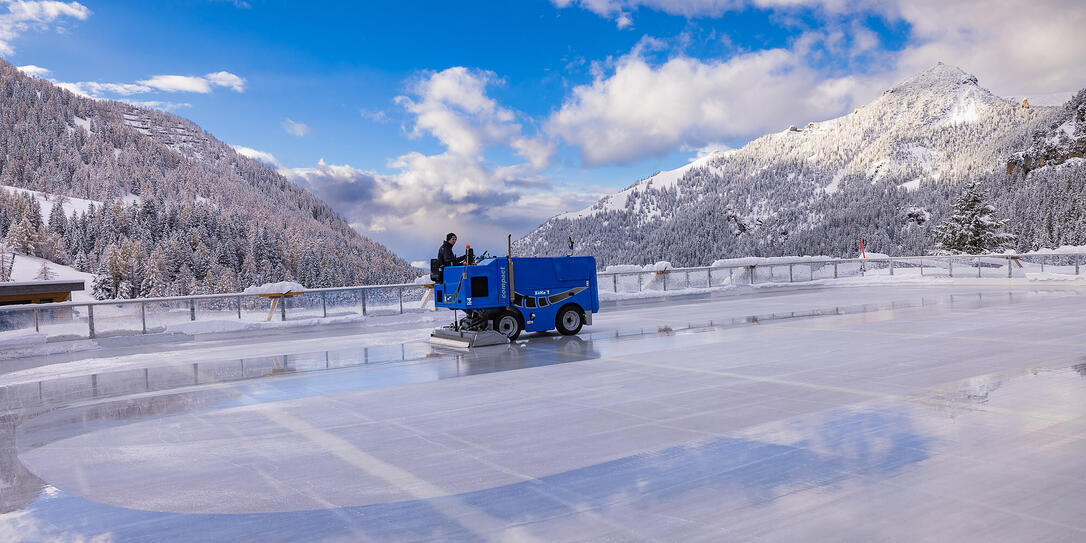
{"x":105,"y":318}
{"x":806,"y":270}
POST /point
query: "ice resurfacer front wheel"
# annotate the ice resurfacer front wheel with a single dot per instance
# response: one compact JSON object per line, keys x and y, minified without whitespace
{"x":507,"y":323}
{"x":569,"y":320}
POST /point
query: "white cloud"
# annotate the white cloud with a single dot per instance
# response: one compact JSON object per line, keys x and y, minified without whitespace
{"x":178,"y":83}
{"x":707,"y":150}
{"x":35,"y":71}
{"x":295,"y":128}
{"x":458,"y":189}
{"x":165,"y":83}
{"x":24,"y":15}
{"x":226,"y":79}
{"x":158,"y":104}
{"x":537,"y":151}
{"x":377,"y":116}
{"x":452,"y":105}
{"x":93,"y":89}
{"x":1034,"y":49}
{"x":634,"y":107}
{"x":192,"y":83}
{"x":620,"y":10}
{"x":1023,"y":50}
{"x":261,"y":156}
{"x":642,"y":110}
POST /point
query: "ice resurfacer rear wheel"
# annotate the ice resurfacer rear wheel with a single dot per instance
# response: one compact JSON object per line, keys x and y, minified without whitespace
{"x":569,"y":320}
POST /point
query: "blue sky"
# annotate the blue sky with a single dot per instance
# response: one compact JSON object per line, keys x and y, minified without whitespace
{"x":415,"y":118}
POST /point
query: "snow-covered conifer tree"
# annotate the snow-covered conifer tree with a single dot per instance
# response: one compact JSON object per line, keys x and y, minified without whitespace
{"x":973,"y":227}
{"x":102,"y":287}
{"x":44,"y":272}
{"x":21,"y":237}
{"x":57,"y":221}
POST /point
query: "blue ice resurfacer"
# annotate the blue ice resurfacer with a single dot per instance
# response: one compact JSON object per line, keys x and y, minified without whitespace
{"x":501,"y":297}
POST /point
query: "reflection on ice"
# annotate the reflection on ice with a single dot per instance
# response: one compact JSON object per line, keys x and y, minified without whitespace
{"x":737,"y":472}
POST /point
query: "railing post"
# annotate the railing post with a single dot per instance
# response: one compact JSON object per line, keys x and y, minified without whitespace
{"x":665,"y":280}
{"x":401,"y":300}
{"x":790,"y":266}
{"x":324,"y":303}
{"x":950,"y":265}
{"x":239,"y":307}
{"x":1076,"y":264}
{"x":90,"y":320}
{"x":36,"y":318}
{"x":709,"y":281}
{"x":192,"y":309}
{"x":751,"y":272}
{"x":614,"y":280}
{"x":921,"y":267}
{"x":639,"y":281}
{"x":1009,"y":267}
{"x":731,"y":276}
{"x":687,"y":279}
{"x":143,"y":316}
{"x":835,"y":269}
{"x":1042,"y":264}
{"x":978,"y":267}
{"x":891,"y":265}
{"x":363,"y":302}
{"x":283,"y":309}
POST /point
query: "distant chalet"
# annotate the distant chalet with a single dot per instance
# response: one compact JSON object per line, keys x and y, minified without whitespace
{"x":38,"y":292}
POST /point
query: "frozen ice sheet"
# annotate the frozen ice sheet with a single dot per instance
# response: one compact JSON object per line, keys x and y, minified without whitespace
{"x":824,"y":414}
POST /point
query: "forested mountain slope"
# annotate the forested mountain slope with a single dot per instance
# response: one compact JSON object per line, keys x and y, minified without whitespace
{"x":887,"y":172}
{"x":182,"y":212}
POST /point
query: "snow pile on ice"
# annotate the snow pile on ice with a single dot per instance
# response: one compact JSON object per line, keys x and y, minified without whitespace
{"x":658,"y":267}
{"x":281,"y":287}
{"x":424,"y":280}
{"x":1048,"y":276}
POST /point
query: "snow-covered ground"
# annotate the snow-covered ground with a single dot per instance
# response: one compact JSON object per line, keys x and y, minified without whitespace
{"x":46,"y":200}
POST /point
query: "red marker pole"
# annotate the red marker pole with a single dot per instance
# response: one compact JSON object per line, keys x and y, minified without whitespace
{"x":862,"y":253}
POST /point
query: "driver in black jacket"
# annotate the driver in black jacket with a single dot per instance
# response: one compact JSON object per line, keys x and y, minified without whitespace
{"x":445,"y":255}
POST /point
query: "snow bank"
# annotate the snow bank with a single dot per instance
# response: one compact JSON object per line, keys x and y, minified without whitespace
{"x":22,"y":340}
{"x":1048,"y":276}
{"x":766,"y":260}
{"x":1061,"y":250}
{"x":622,"y":268}
{"x":424,"y":280}
{"x":275,"y":288}
{"x":658,"y":267}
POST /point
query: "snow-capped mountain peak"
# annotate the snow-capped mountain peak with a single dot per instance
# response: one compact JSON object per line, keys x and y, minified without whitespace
{"x":934,"y":130}
{"x":940,"y":77}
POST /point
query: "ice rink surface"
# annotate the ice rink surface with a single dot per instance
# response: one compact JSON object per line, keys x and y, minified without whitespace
{"x":938,"y":412}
